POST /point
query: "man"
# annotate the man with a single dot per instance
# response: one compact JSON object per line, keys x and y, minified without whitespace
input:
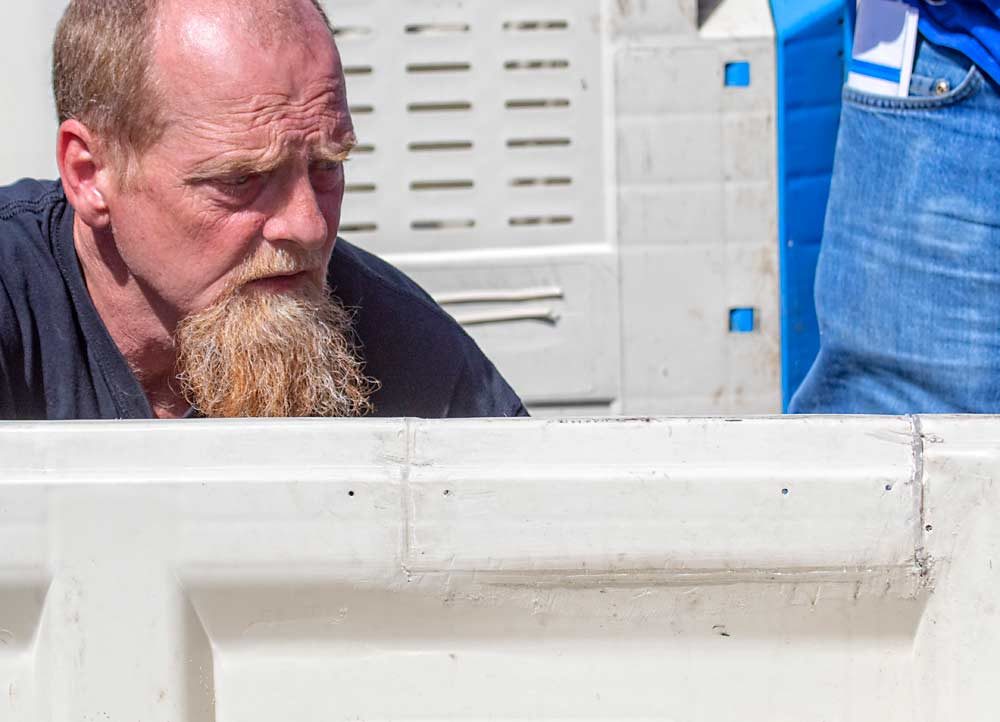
{"x":185,"y":262}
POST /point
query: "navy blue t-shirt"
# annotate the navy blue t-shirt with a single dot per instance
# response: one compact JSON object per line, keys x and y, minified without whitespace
{"x":58,"y":361}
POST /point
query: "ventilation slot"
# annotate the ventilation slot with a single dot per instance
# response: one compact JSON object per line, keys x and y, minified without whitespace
{"x":541,"y":221}
{"x":362,"y":109}
{"x":441,"y":145}
{"x":359,"y":188}
{"x":537,"y":142}
{"x":358,"y":227}
{"x":538,"y":103}
{"x":363,"y":149}
{"x":352,"y":31}
{"x":437,"y":28}
{"x":532,"y":25}
{"x":358,"y":70}
{"x":438,"y":67}
{"x":536,"y":64}
{"x":441,"y":185}
{"x":445,"y":107}
{"x":443,"y":225}
{"x":551,"y":181}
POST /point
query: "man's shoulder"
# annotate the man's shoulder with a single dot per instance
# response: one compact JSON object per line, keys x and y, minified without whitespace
{"x":29,"y":194}
{"x":30,"y":214}
{"x":353,"y":269}
{"x":26,"y":218}
{"x":37,"y":326}
{"x":382,"y":296}
{"x":427,"y":364}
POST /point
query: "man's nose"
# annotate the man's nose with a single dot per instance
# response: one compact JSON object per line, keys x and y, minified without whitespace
{"x":298,"y":217}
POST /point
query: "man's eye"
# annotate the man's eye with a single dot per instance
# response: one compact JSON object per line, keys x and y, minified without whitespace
{"x":238,"y":185}
{"x":237,"y":182}
{"x":327,"y":166}
{"x":327,"y":174}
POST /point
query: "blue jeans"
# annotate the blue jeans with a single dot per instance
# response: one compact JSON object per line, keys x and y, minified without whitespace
{"x":908,"y":281}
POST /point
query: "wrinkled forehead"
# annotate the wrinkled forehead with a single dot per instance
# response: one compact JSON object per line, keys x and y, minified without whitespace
{"x":218,"y":55}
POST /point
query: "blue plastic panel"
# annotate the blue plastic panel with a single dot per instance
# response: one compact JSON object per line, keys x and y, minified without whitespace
{"x":811,"y":39}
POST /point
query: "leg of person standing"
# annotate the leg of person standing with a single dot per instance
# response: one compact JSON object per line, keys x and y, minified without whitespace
{"x":908,"y":281}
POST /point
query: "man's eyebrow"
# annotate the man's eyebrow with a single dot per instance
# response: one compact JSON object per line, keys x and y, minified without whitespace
{"x":332,"y":153}
{"x":229,"y":168}
{"x":237,"y":167}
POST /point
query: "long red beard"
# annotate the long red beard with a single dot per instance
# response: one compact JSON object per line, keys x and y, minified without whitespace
{"x":256,"y":353}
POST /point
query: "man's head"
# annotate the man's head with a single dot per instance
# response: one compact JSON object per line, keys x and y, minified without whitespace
{"x":103,"y":71}
{"x":202,"y":145}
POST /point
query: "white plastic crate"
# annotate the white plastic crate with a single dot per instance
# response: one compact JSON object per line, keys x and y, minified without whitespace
{"x":807,"y":569}
{"x":572,"y":179}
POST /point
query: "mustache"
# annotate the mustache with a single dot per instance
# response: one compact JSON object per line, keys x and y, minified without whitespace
{"x":275,"y":262}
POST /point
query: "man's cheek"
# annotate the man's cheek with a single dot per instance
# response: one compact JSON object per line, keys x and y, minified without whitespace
{"x":214,"y":226}
{"x":222,"y":244}
{"x":332,"y":213}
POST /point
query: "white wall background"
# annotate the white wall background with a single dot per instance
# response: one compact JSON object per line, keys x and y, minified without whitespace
{"x":27,"y":113}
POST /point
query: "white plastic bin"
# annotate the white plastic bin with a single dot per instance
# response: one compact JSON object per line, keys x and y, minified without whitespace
{"x":807,"y":569}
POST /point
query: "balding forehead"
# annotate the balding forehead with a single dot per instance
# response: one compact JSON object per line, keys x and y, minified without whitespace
{"x":198,"y":41}
{"x":219,"y":88}
{"x":261,"y":22}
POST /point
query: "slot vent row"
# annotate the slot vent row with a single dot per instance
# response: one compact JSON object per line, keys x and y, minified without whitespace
{"x":456,"y":66}
{"x":449,"y":106}
{"x":451,"y":224}
{"x":441,"y":185}
{"x":463,"y":184}
{"x":443,"y":28}
{"x":534,"y":25}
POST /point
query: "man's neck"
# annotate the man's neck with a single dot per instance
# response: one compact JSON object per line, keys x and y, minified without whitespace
{"x":143,"y":336}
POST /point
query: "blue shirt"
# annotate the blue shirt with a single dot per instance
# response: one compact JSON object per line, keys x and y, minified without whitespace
{"x":58,"y":361}
{"x":971,"y":27}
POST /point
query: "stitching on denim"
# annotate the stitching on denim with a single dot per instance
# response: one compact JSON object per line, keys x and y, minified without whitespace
{"x":972,"y":84}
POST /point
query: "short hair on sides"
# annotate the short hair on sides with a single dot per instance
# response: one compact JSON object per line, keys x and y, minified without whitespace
{"x":102,"y":75}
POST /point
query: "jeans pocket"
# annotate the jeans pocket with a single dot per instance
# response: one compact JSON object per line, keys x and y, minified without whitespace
{"x":970,"y":85}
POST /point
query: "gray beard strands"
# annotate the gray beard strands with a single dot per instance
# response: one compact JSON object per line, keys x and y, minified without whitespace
{"x":272,"y":354}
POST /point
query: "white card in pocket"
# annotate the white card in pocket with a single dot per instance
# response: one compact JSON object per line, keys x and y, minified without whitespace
{"x":885,"y":40}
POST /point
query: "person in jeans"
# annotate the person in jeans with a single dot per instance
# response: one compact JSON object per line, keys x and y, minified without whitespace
{"x":908,"y":281}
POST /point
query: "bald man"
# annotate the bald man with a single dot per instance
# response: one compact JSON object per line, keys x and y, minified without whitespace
{"x":187,"y":261}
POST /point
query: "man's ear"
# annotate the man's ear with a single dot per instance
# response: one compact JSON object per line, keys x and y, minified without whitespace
{"x":85,"y":173}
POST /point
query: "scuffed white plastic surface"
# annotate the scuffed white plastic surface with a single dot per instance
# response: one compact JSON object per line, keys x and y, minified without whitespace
{"x":668,"y":569}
